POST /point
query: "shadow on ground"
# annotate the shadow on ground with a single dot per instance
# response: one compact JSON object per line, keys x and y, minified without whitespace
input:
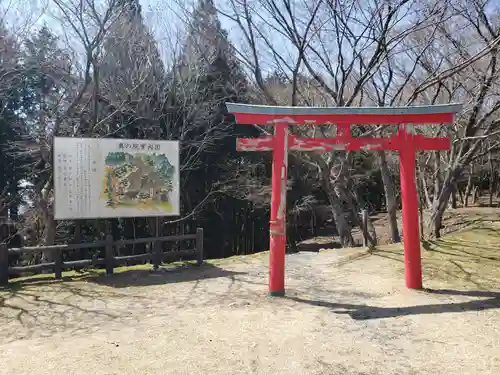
{"x":45,"y":307}
{"x":134,"y":277}
{"x":456,"y":247}
{"x":491,"y":300}
{"x":164,"y":275}
{"x":316,"y":247}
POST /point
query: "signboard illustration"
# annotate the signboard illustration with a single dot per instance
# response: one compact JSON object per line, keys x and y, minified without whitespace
{"x":105,"y":178}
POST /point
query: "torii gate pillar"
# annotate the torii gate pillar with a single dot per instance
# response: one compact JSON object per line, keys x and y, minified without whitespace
{"x":405,"y":142}
{"x":277,"y":225}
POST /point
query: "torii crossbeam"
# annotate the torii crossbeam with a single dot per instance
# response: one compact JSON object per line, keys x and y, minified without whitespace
{"x":405,"y":142}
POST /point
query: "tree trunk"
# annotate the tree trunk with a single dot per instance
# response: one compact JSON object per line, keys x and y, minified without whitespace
{"x":468,"y":188}
{"x":460,"y":196}
{"x":491,"y":193}
{"x":372,"y":233}
{"x":438,"y":177}
{"x":343,"y":228}
{"x":438,"y":209}
{"x":390,"y":197}
{"x":49,"y":228}
{"x":421,"y":222}
{"x":453,"y":202}
{"x":439,"y":205}
{"x":353,"y":207}
{"x":474,"y":194}
{"x":421,"y":204}
{"x":425,"y":190}
{"x":14,"y":212}
{"x":4,"y":208}
{"x":49,"y":237}
{"x":492,"y":179}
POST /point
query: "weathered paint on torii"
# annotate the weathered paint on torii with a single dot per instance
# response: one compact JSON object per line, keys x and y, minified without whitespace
{"x":405,"y":142}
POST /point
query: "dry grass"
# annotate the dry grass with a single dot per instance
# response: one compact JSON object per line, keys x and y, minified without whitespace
{"x":469,"y":257}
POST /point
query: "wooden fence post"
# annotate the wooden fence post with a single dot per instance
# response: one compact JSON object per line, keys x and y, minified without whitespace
{"x":58,"y":263}
{"x":199,"y":246}
{"x":4,"y":264}
{"x":156,"y":254}
{"x":109,"y":256}
{"x":364,"y":224}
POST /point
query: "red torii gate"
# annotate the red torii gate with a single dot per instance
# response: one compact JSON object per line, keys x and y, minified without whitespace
{"x":406,"y":143}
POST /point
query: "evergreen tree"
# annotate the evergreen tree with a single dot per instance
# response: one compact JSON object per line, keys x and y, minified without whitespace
{"x":131,"y":75}
{"x":11,"y":126}
{"x":132,"y":89}
{"x":9,"y":181}
{"x":131,"y":8}
{"x":47,"y":74}
{"x":207,"y":76}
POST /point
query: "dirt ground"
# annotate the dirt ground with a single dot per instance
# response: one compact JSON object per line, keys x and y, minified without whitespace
{"x":453,"y":221}
{"x":346,"y":312}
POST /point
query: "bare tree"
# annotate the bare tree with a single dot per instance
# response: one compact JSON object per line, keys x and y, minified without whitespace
{"x":475,"y":51}
{"x":123,"y":89}
{"x":87,"y":25}
{"x":342,"y":46}
{"x":9,"y":70}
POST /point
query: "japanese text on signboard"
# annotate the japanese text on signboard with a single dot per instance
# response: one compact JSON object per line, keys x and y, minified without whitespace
{"x":139,"y":146}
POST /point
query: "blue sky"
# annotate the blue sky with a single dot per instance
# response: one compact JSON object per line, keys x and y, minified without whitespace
{"x":165,"y":18}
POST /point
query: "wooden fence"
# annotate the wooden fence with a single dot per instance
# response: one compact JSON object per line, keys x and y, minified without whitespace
{"x":110,"y":261}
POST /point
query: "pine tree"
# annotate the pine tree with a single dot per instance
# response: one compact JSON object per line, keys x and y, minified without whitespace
{"x":131,"y":8}
{"x":11,"y":127}
{"x":208,"y":52}
{"x":47,"y":74}
{"x":132,"y":76}
{"x":132,"y":89}
{"x":209,"y":75}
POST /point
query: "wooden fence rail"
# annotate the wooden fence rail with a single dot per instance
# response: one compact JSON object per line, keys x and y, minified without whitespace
{"x":110,"y":261}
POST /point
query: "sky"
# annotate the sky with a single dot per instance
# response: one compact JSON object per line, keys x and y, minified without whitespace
{"x":161,"y":16}
{"x":165,"y":18}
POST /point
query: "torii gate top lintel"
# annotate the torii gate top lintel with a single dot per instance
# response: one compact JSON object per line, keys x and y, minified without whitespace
{"x":264,"y":114}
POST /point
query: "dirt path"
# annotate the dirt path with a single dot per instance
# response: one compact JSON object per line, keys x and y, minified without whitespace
{"x":348,"y":319}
